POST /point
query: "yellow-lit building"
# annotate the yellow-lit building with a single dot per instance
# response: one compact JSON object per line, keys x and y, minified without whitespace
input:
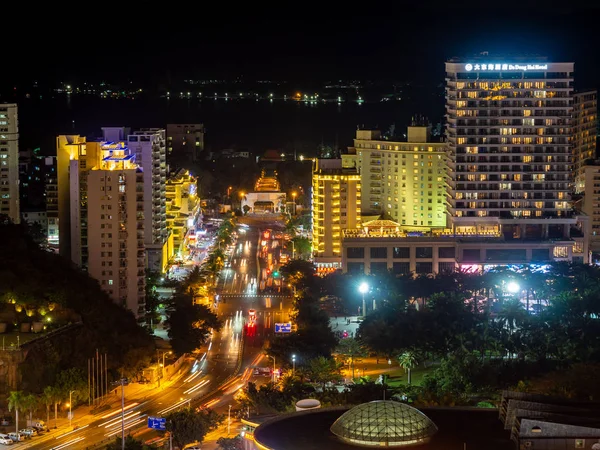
{"x":183,"y":206}
{"x":101,"y":216}
{"x":336,"y":198}
{"x":585,"y":123}
{"x":404,"y":181}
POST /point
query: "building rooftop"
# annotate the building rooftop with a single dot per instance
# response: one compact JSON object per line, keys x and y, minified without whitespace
{"x":384,"y":423}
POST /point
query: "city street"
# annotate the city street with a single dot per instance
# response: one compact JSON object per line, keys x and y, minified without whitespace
{"x":209,"y":379}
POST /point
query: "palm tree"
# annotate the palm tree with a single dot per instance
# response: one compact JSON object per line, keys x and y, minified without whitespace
{"x":16,"y":401}
{"x":30,"y":404}
{"x":49,"y":397}
{"x":407,"y":361}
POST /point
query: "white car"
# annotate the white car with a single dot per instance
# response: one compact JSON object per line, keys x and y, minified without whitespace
{"x":6,"y":441}
{"x":28,"y":432}
{"x":15,"y":437}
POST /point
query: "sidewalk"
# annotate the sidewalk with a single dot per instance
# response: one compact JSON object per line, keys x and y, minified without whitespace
{"x":82,"y":414}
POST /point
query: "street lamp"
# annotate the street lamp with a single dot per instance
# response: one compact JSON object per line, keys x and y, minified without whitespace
{"x":293,"y":365}
{"x":166,"y":352}
{"x":273,"y":367}
{"x":294,"y":198}
{"x":189,"y":401}
{"x":70,"y":407}
{"x":512,"y":287}
{"x":363,"y":289}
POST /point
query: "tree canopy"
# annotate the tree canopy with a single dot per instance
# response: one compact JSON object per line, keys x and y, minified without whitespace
{"x":189,"y":426}
{"x":45,"y":283}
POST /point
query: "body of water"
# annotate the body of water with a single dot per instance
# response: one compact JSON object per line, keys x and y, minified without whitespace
{"x":245,"y":124}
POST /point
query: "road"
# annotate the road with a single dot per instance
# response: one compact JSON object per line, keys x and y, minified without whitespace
{"x":206,"y":380}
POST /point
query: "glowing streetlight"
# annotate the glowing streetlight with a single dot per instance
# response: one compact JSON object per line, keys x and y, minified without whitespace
{"x":512,"y":287}
{"x":363,"y":289}
{"x":293,"y":364}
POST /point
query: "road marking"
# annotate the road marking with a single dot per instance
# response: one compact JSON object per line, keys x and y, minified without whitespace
{"x":66,"y":444}
{"x":71,"y":432}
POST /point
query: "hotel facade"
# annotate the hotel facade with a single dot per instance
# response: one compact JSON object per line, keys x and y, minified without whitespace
{"x":405,"y":181}
{"x":508,"y":176}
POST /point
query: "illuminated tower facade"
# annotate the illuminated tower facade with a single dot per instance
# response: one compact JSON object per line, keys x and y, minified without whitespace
{"x":508,"y":131}
{"x":336,"y":198}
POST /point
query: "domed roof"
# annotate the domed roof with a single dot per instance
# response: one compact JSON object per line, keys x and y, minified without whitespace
{"x":384,"y":423}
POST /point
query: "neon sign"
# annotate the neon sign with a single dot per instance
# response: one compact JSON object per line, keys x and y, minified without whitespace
{"x":505,"y":67}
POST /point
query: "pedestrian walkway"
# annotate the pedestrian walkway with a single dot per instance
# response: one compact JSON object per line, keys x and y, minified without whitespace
{"x":341,"y":324}
{"x":83,"y":415}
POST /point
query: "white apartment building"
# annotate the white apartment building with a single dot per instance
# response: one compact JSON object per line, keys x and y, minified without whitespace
{"x":403,"y":180}
{"x":149,"y":148}
{"x":101,"y":215}
{"x":336,"y":205}
{"x":585,"y":123}
{"x":9,"y":162}
{"x":115,"y":193}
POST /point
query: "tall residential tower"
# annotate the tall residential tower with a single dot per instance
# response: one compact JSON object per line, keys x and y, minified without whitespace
{"x":9,"y":162}
{"x":101,"y":215}
{"x":148,"y":145}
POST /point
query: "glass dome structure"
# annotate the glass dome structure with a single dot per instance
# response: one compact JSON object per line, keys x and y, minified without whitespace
{"x":384,"y":424}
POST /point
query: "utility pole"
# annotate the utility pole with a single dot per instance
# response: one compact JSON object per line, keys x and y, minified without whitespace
{"x":122,"y":413}
{"x":229,"y":420}
{"x":123,"y":382}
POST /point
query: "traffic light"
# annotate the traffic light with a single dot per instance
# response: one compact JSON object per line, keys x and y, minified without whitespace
{"x":275,"y":274}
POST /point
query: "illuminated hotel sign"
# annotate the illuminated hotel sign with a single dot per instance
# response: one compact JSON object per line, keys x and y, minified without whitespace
{"x":504,"y":67}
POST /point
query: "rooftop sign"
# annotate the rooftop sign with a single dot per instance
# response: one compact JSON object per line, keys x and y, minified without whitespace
{"x":504,"y":67}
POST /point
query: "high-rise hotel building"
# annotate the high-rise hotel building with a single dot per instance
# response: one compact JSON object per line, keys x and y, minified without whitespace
{"x":101,"y":216}
{"x":9,"y":162}
{"x":336,"y":206}
{"x":508,"y":131}
{"x":405,"y":181}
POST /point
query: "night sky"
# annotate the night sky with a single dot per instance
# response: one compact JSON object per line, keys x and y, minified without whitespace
{"x":363,"y":40}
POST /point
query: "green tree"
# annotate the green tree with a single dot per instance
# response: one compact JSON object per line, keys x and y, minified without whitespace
{"x":300,"y":246}
{"x":16,"y":401}
{"x":188,"y":426}
{"x":189,"y":324}
{"x":408,"y":360}
{"x":48,"y":399}
{"x":323,"y":370}
{"x":73,"y":379}
{"x":234,"y":443}
{"x":351,"y":348}
{"x":30,"y":404}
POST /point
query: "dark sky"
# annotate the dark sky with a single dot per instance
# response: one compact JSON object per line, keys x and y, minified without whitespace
{"x":301,"y":42}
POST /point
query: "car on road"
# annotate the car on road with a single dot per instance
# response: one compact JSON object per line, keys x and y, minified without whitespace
{"x":16,"y":437}
{"x":28,"y":432}
{"x":5,"y":440}
{"x":252,"y":315}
